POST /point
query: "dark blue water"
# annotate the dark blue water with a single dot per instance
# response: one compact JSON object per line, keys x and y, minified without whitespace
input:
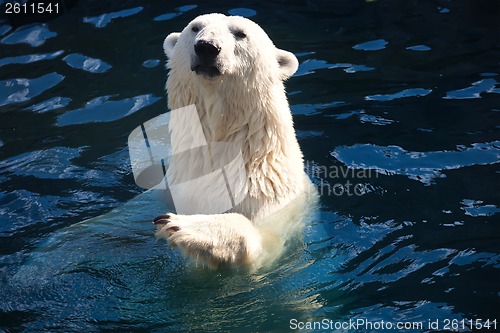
{"x":397,"y":109}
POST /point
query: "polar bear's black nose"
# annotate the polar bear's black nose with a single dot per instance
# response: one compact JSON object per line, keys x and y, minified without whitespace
{"x":204,"y":49}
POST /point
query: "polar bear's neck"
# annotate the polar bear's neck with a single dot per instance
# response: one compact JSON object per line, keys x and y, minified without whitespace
{"x":257,"y":120}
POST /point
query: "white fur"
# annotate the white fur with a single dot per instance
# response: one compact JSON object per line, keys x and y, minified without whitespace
{"x":245,"y":105}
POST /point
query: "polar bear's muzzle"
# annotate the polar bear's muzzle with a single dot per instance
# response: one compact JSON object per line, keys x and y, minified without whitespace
{"x":204,"y":62}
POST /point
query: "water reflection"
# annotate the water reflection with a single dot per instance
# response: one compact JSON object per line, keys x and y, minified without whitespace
{"x":21,"y":89}
{"x":50,"y":104}
{"x":103,"y":20}
{"x":374,"y":45}
{"x":414,"y":92}
{"x":30,"y":58}
{"x":178,"y":11}
{"x":34,"y":35}
{"x":103,"y":109}
{"x":474,"y":91}
{"x":422,"y":166}
{"x":92,"y":65}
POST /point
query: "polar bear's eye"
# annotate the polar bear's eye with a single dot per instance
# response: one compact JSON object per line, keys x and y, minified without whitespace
{"x":195,"y":28}
{"x":239,"y":34}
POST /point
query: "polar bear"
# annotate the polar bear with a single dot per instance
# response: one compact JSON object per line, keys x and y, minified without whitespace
{"x":231,"y":71}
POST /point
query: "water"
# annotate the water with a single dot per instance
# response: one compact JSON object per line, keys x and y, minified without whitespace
{"x":396,"y":107}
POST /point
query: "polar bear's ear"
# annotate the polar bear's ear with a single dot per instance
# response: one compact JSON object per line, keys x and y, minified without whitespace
{"x":169,"y":43}
{"x":288,"y":63}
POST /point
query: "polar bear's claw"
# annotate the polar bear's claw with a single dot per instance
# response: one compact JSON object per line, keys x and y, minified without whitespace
{"x":161,"y":220}
{"x":172,"y":230}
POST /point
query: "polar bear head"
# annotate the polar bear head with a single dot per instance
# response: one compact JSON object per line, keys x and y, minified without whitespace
{"x":215,"y":46}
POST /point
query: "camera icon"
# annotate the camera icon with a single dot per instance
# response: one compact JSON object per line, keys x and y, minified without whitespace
{"x":170,"y":152}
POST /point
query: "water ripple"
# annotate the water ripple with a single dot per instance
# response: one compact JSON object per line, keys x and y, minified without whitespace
{"x":151,"y":63}
{"x":365,"y":118}
{"x":475,"y":91}
{"x":50,"y":104}
{"x":21,"y":208}
{"x":179,"y":11}
{"x":375,"y":120}
{"x":35,"y":35}
{"x":421,"y":166}
{"x":30,"y":58}
{"x":391,"y":264}
{"x":471,"y":257}
{"x":53,"y":163}
{"x":245,"y":12}
{"x":361,"y":237}
{"x":103,"y":20}
{"x":414,"y":92}
{"x":310,"y":65}
{"x":102,"y":109}
{"x":374,"y":45}
{"x":21,"y":89}
{"x":419,"y":48}
{"x":476,"y":208}
{"x":300,"y":134}
{"x":80,"y":61}
{"x":312,"y":109}
{"x":4,"y":29}
{"x":358,"y":68}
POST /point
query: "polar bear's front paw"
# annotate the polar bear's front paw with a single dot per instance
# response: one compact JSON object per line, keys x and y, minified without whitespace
{"x":215,"y":240}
